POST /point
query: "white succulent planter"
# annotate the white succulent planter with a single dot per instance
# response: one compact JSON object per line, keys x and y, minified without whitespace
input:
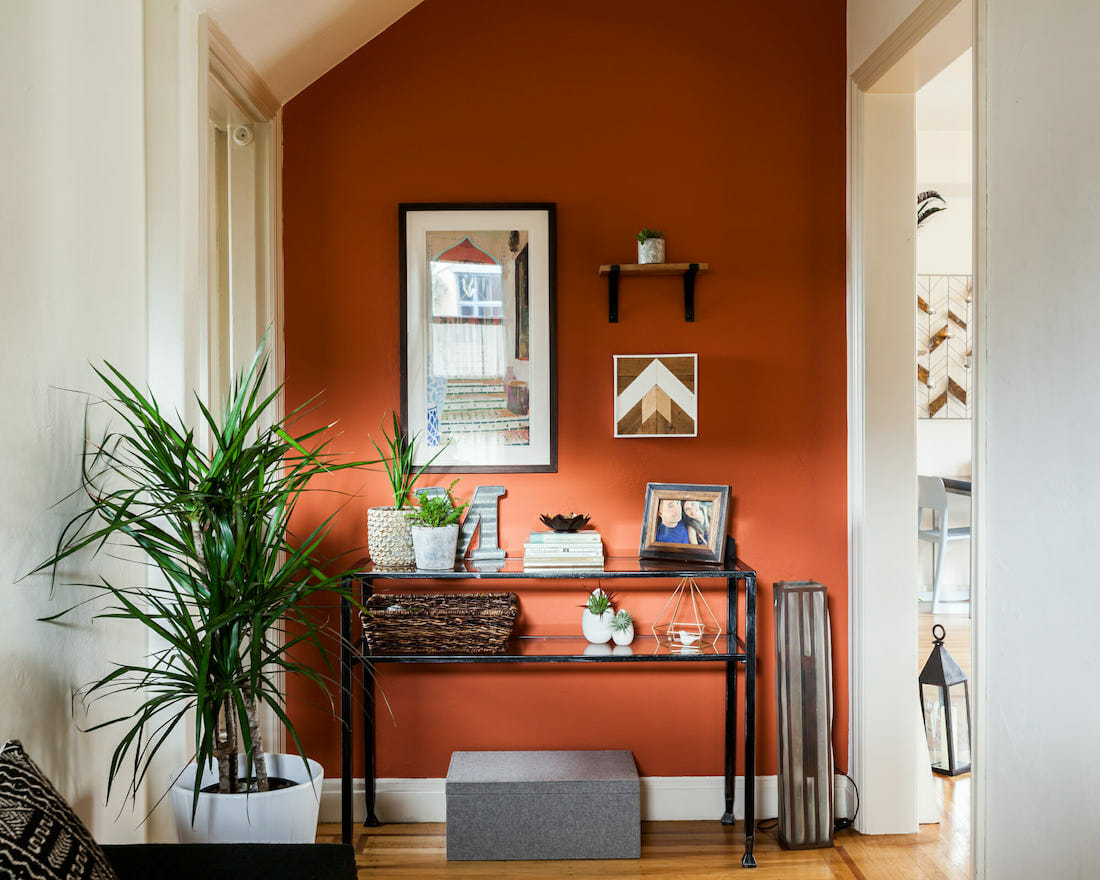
{"x":435,"y":548}
{"x":288,"y":815}
{"x":597,"y":627}
{"x":623,"y":636}
{"x":652,"y":250}
{"x":389,"y":536}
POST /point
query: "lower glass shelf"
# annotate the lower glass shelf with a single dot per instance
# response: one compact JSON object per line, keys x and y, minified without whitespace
{"x":567,"y":649}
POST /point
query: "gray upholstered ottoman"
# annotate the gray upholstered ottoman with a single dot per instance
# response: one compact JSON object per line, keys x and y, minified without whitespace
{"x":543,"y":805}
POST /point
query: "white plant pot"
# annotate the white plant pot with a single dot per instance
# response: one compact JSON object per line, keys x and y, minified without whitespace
{"x":435,"y":547}
{"x":597,"y":627}
{"x":389,"y":537}
{"x":288,"y":815}
{"x":652,"y":250}
{"x":623,"y":636}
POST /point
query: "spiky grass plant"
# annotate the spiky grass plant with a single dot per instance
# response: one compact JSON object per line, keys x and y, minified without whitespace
{"x":599,"y":601}
{"x":216,"y":524}
{"x":399,"y":461}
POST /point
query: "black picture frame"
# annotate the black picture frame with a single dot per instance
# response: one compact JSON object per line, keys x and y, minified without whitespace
{"x":703,"y":540}
{"x":482,"y":318}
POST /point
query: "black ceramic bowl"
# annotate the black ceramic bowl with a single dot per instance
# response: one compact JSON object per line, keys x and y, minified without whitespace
{"x":561,"y":522}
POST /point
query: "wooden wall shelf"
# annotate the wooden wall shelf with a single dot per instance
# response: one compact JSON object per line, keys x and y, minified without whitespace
{"x":687,"y":270}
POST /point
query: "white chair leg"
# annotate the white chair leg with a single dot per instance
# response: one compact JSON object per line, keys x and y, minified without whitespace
{"x":939,"y":550}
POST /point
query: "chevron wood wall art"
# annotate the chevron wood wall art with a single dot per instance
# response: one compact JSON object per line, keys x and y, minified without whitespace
{"x":945,"y":319}
{"x":656,"y":395}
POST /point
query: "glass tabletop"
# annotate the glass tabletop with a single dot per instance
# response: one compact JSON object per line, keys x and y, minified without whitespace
{"x":513,"y":567}
{"x":570,"y":649}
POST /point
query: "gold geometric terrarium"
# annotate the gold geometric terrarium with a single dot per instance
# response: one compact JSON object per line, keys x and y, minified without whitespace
{"x":686,"y":624}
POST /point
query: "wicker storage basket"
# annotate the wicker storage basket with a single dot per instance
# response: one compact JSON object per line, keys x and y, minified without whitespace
{"x":439,"y":623}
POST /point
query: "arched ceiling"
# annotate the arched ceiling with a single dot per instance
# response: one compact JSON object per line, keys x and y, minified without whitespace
{"x":291,"y":43}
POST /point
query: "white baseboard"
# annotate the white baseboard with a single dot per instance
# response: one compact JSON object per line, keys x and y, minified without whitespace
{"x":664,"y":798}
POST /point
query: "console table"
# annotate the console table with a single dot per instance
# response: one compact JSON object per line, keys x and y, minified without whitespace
{"x":730,"y":649}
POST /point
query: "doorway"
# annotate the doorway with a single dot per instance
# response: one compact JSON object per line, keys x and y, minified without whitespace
{"x":889,"y":755}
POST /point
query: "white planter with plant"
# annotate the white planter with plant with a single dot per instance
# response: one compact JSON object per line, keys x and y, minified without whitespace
{"x":230,"y":584}
{"x":596,"y":617}
{"x":287,"y":815}
{"x":651,"y":246}
{"x":622,"y":628}
{"x":389,"y":535}
{"x":435,"y":530}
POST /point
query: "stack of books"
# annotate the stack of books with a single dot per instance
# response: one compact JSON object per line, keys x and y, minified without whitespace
{"x":564,"y":550}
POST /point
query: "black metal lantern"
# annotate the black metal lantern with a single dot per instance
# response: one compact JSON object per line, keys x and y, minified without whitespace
{"x":945,"y":704}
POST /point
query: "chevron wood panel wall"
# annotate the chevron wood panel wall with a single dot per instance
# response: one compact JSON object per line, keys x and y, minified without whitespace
{"x":656,"y":395}
{"x":945,"y":312}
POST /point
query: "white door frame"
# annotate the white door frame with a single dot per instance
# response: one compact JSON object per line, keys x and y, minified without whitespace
{"x":868,"y":720}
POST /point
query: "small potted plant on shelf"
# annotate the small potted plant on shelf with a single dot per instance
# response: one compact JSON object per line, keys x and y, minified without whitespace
{"x":389,"y":536}
{"x":597,"y":616}
{"x":651,"y":246}
{"x":434,"y":525}
{"x":214,"y":520}
{"x":622,"y":627}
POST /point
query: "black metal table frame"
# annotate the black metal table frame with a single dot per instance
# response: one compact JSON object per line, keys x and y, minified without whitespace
{"x":351,"y":656}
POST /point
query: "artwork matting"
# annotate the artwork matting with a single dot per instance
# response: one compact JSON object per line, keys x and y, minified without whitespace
{"x":478,"y":352}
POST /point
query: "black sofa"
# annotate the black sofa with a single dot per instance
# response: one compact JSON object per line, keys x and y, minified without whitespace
{"x":232,"y":861}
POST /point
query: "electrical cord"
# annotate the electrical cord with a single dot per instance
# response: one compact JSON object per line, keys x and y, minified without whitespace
{"x":841,"y":824}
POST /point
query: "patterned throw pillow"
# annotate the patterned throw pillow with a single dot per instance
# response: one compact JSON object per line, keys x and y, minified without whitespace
{"x":41,"y":837}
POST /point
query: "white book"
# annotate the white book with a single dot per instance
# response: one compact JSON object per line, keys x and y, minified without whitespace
{"x":586,"y":549}
{"x":568,"y":562}
{"x":538,"y":537}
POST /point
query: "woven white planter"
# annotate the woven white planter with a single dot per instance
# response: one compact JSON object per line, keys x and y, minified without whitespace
{"x":288,"y":815}
{"x":389,"y":536}
{"x":435,"y":547}
{"x":652,"y":250}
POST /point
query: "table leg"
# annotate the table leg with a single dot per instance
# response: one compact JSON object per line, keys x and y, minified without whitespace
{"x":371,"y":820}
{"x":748,"y":861}
{"x":731,"y":700}
{"x":345,"y":718}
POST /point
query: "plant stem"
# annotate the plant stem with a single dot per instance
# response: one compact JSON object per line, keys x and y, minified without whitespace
{"x":258,"y":759}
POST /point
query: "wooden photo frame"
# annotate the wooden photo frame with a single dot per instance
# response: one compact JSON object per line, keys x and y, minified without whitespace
{"x":685,"y":521}
{"x":478,"y":347}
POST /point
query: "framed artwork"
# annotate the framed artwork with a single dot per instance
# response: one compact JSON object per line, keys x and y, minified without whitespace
{"x":656,"y":395}
{"x":478,"y":353}
{"x":685,"y":521}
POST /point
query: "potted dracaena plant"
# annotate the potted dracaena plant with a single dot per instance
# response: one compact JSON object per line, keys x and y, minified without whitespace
{"x":225,"y":612}
{"x":389,"y":533}
{"x":435,"y":530}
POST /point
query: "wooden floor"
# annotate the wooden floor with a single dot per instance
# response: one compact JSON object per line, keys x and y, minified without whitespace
{"x":676,"y":850}
{"x":692,"y":849}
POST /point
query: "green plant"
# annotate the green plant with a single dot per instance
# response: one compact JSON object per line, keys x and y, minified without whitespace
{"x":436,"y":511}
{"x":399,"y":462}
{"x":647,"y":234}
{"x":599,"y":601}
{"x":622,"y":621}
{"x":216,"y":524}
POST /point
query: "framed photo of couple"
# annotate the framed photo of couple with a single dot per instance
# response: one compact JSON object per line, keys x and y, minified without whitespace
{"x":685,"y":521}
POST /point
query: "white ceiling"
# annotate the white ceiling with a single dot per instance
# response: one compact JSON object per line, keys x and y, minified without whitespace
{"x":291,"y":43}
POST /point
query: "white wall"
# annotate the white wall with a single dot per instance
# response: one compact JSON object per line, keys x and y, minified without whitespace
{"x":1043,"y":188}
{"x":870,"y":22}
{"x":885,"y":736}
{"x":72,"y":238}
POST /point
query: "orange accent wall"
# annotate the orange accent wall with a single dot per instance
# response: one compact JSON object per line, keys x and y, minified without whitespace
{"x":721,"y":123}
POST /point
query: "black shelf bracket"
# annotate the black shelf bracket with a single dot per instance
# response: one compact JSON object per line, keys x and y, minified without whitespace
{"x":689,"y":291}
{"x":613,"y":295}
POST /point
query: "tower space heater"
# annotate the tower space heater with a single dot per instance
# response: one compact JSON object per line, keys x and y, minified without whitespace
{"x":804,"y":706}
